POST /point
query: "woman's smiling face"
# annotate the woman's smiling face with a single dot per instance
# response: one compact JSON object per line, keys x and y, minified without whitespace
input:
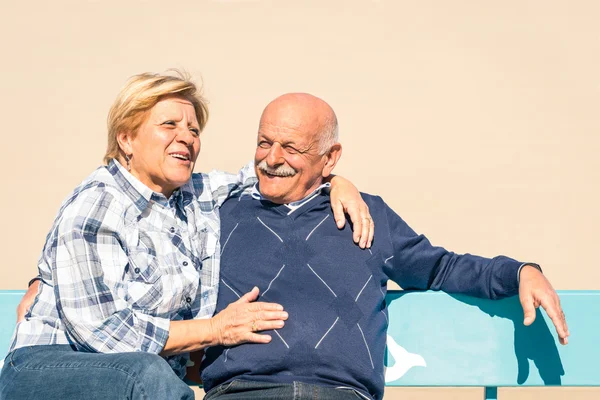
{"x":166,"y":146}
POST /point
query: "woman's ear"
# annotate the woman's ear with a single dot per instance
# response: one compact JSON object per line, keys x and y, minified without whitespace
{"x":334,"y":154}
{"x":124,"y":140}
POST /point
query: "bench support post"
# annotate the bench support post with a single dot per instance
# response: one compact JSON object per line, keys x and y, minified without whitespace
{"x":491,"y":393}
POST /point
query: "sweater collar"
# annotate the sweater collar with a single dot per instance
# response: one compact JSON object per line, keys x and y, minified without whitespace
{"x":293,"y":206}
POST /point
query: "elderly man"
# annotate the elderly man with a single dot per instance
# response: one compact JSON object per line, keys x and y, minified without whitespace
{"x":332,"y":346}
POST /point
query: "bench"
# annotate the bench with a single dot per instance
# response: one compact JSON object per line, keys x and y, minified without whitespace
{"x":437,"y":339}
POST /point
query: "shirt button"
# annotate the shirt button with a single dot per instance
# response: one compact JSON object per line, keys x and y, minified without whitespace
{"x":188,"y":299}
{"x":137,"y":270}
{"x":185,"y":263}
{"x":172,"y":230}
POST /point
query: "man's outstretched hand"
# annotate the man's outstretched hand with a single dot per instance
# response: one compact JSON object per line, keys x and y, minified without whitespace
{"x":534,"y":291}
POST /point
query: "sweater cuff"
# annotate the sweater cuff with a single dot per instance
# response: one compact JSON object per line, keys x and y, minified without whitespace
{"x":534,"y":265}
{"x":508,"y":278}
{"x":37,"y":278}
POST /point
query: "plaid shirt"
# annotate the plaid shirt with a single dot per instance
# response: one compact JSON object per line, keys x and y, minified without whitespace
{"x":122,"y":261}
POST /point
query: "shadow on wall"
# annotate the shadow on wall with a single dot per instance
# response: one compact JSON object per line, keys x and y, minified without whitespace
{"x":534,"y":342}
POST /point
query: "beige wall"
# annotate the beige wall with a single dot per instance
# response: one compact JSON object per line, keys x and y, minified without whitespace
{"x":476,"y":120}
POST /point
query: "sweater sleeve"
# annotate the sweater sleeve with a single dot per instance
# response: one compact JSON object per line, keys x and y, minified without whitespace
{"x":417,"y":264}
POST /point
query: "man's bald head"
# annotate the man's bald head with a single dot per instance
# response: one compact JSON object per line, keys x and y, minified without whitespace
{"x":296,"y":148}
{"x":306,"y":110}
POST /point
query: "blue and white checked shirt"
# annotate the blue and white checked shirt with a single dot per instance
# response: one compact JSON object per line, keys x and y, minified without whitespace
{"x":122,"y":261}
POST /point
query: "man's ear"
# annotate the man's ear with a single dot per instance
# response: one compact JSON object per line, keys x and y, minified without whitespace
{"x":124,"y":140}
{"x":332,"y":157}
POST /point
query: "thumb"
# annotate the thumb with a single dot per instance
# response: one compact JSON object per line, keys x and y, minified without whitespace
{"x":250,"y":296}
{"x":528,"y":311}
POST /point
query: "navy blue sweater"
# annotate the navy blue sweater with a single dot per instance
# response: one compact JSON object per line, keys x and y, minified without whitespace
{"x":333,"y":291}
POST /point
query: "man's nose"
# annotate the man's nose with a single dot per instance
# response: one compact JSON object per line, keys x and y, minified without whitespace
{"x":275,"y":156}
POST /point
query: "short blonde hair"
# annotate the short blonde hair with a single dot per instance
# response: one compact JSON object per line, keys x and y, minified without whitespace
{"x":140,"y":94}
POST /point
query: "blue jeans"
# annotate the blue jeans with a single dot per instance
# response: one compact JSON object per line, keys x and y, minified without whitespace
{"x":59,"y":372}
{"x":238,"y":389}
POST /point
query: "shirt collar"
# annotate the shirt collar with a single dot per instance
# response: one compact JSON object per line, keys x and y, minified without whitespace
{"x":139,"y":193}
{"x":295,"y":204}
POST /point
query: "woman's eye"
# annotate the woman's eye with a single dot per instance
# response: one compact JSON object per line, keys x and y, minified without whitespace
{"x":195,"y":131}
{"x":170,"y":123}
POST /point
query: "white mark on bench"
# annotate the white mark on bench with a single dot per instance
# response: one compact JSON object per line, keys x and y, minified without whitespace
{"x":403,"y":361}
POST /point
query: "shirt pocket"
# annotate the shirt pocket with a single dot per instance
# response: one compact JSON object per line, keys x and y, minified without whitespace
{"x":145,"y":288}
{"x":200,"y":244}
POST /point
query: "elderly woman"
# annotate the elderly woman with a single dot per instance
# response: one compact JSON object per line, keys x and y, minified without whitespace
{"x":130,"y":269}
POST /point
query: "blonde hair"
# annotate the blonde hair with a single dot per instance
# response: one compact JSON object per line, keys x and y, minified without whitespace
{"x":139,"y":95}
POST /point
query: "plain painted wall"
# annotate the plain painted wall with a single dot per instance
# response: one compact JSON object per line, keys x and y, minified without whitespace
{"x":477,"y":121}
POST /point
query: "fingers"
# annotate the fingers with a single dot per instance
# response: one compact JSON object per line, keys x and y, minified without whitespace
{"x":364,"y":228}
{"x":367,"y":228}
{"x":338,"y":214}
{"x":250,"y":296}
{"x":275,"y":322}
{"x":370,"y":231}
{"x":550,"y":302}
{"x":557,"y":316}
{"x":256,"y":338}
{"x":528,"y":310}
{"x":240,"y":321}
{"x":266,"y":325}
{"x":357,"y":223}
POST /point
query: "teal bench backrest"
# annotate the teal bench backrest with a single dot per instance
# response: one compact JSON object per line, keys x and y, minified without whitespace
{"x":9,"y":299}
{"x":453,"y":340}
{"x":436,"y":339}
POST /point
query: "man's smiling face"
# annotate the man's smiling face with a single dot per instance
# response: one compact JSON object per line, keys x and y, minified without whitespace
{"x":288,"y":160}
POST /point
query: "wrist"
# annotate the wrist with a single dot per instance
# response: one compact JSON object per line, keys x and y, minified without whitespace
{"x":528,"y":268}
{"x":36,"y":279}
{"x":213,"y":334}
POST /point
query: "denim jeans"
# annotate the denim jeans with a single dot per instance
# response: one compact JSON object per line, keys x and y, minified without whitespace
{"x":58,"y":372}
{"x":238,"y":389}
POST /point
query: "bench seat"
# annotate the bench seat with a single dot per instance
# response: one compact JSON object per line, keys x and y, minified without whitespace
{"x":442,"y":340}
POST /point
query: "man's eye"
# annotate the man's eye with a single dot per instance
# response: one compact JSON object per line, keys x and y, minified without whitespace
{"x":291,"y":150}
{"x":264,"y":145}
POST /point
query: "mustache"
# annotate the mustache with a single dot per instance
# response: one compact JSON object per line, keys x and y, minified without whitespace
{"x":281,"y":170}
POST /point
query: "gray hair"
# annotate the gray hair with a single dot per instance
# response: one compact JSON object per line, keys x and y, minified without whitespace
{"x":329,"y":136}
